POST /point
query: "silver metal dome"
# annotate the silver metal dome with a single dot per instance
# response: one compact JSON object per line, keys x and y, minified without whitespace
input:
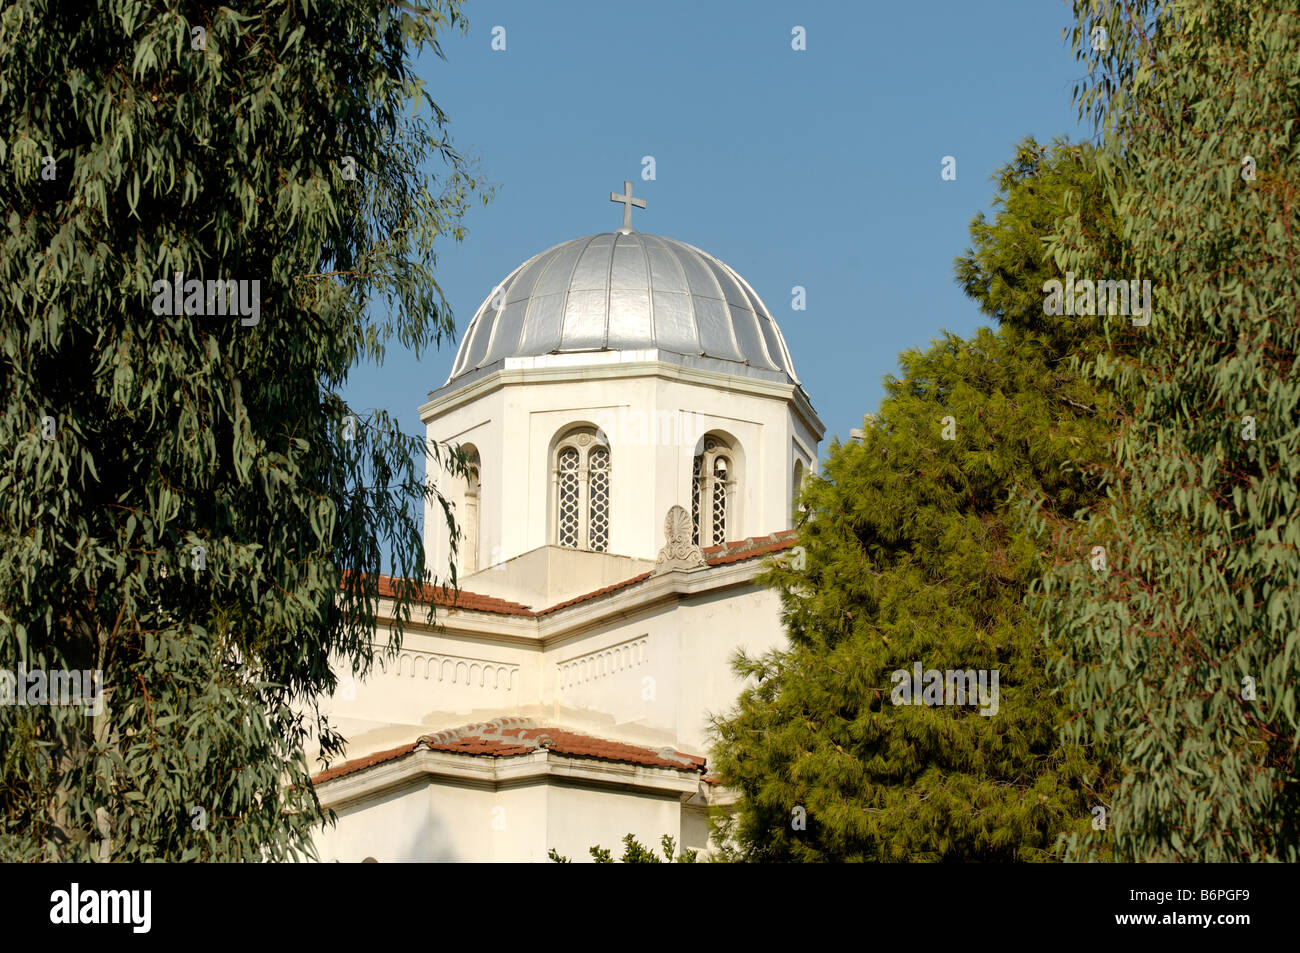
{"x":624,"y":291}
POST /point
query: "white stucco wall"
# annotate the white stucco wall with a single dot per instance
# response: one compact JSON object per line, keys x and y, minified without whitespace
{"x":645,"y":666}
{"x":653,"y":414}
{"x":433,"y":822}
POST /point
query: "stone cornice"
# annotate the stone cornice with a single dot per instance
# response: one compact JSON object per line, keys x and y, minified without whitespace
{"x":561,"y":624}
{"x":505,"y":376}
{"x":646,"y":596}
{"x":483,"y":772}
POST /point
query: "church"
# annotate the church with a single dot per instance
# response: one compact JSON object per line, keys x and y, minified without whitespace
{"x":637,"y":433}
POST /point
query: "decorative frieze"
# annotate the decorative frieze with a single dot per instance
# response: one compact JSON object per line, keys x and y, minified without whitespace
{"x":602,"y":663}
{"x":457,"y":670}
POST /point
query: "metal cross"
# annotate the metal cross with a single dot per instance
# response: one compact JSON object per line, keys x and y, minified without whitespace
{"x":628,"y":202}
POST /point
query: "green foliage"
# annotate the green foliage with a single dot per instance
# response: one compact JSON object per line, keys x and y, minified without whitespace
{"x":188,"y":526}
{"x":1182,"y":658}
{"x":634,"y":853}
{"x":1052,"y":212}
{"x":915,"y":552}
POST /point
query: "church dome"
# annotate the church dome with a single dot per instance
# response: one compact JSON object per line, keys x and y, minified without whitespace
{"x":626,"y":291}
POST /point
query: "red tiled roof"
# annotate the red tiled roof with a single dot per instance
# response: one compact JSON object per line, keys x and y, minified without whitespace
{"x":733,"y":552}
{"x":592,"y":595}
{"x":751,"y":548}
{"x":357,"y":764}
{"x":720,"y":555}
{"x":511,"y":736}
{"x":457,"y":599}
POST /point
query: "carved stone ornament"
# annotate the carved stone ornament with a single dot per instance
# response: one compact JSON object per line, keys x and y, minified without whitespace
{"x":584,"y":439}
{"x":678,"y":551}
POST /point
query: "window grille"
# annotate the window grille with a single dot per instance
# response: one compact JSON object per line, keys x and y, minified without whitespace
{"x":713,"y":486}
{"x":719,"y":501}
{"x":598,"y":480}
{"x":568,"y":497}
{"x":582,"y":492}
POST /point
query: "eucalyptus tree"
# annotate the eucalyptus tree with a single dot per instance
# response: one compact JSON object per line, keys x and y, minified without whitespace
{"x":1182,"y":656}
{"x":208,"y":215}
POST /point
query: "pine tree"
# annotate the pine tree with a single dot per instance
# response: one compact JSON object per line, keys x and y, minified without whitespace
{"x":634,"y":853}
{"x":183,"y":491}
{"x":913,"y":551}
{"x":1181,"y":659}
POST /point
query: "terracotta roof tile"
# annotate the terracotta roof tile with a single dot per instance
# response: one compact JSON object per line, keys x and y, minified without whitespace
{"x":457,"y":599}
{"x":751,"y":548}
{"x":592,"y":595}
{"x":359,"y":764}
{"x":511,"y":736}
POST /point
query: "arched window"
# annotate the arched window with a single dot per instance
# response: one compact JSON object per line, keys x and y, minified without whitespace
{"x":582,"y":491}
{"x":796,"y":484}
{"x":713,"y":486}
{"x":470,"y":527}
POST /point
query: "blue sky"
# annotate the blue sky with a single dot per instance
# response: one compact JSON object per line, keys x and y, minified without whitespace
{"x":818,"y":168}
